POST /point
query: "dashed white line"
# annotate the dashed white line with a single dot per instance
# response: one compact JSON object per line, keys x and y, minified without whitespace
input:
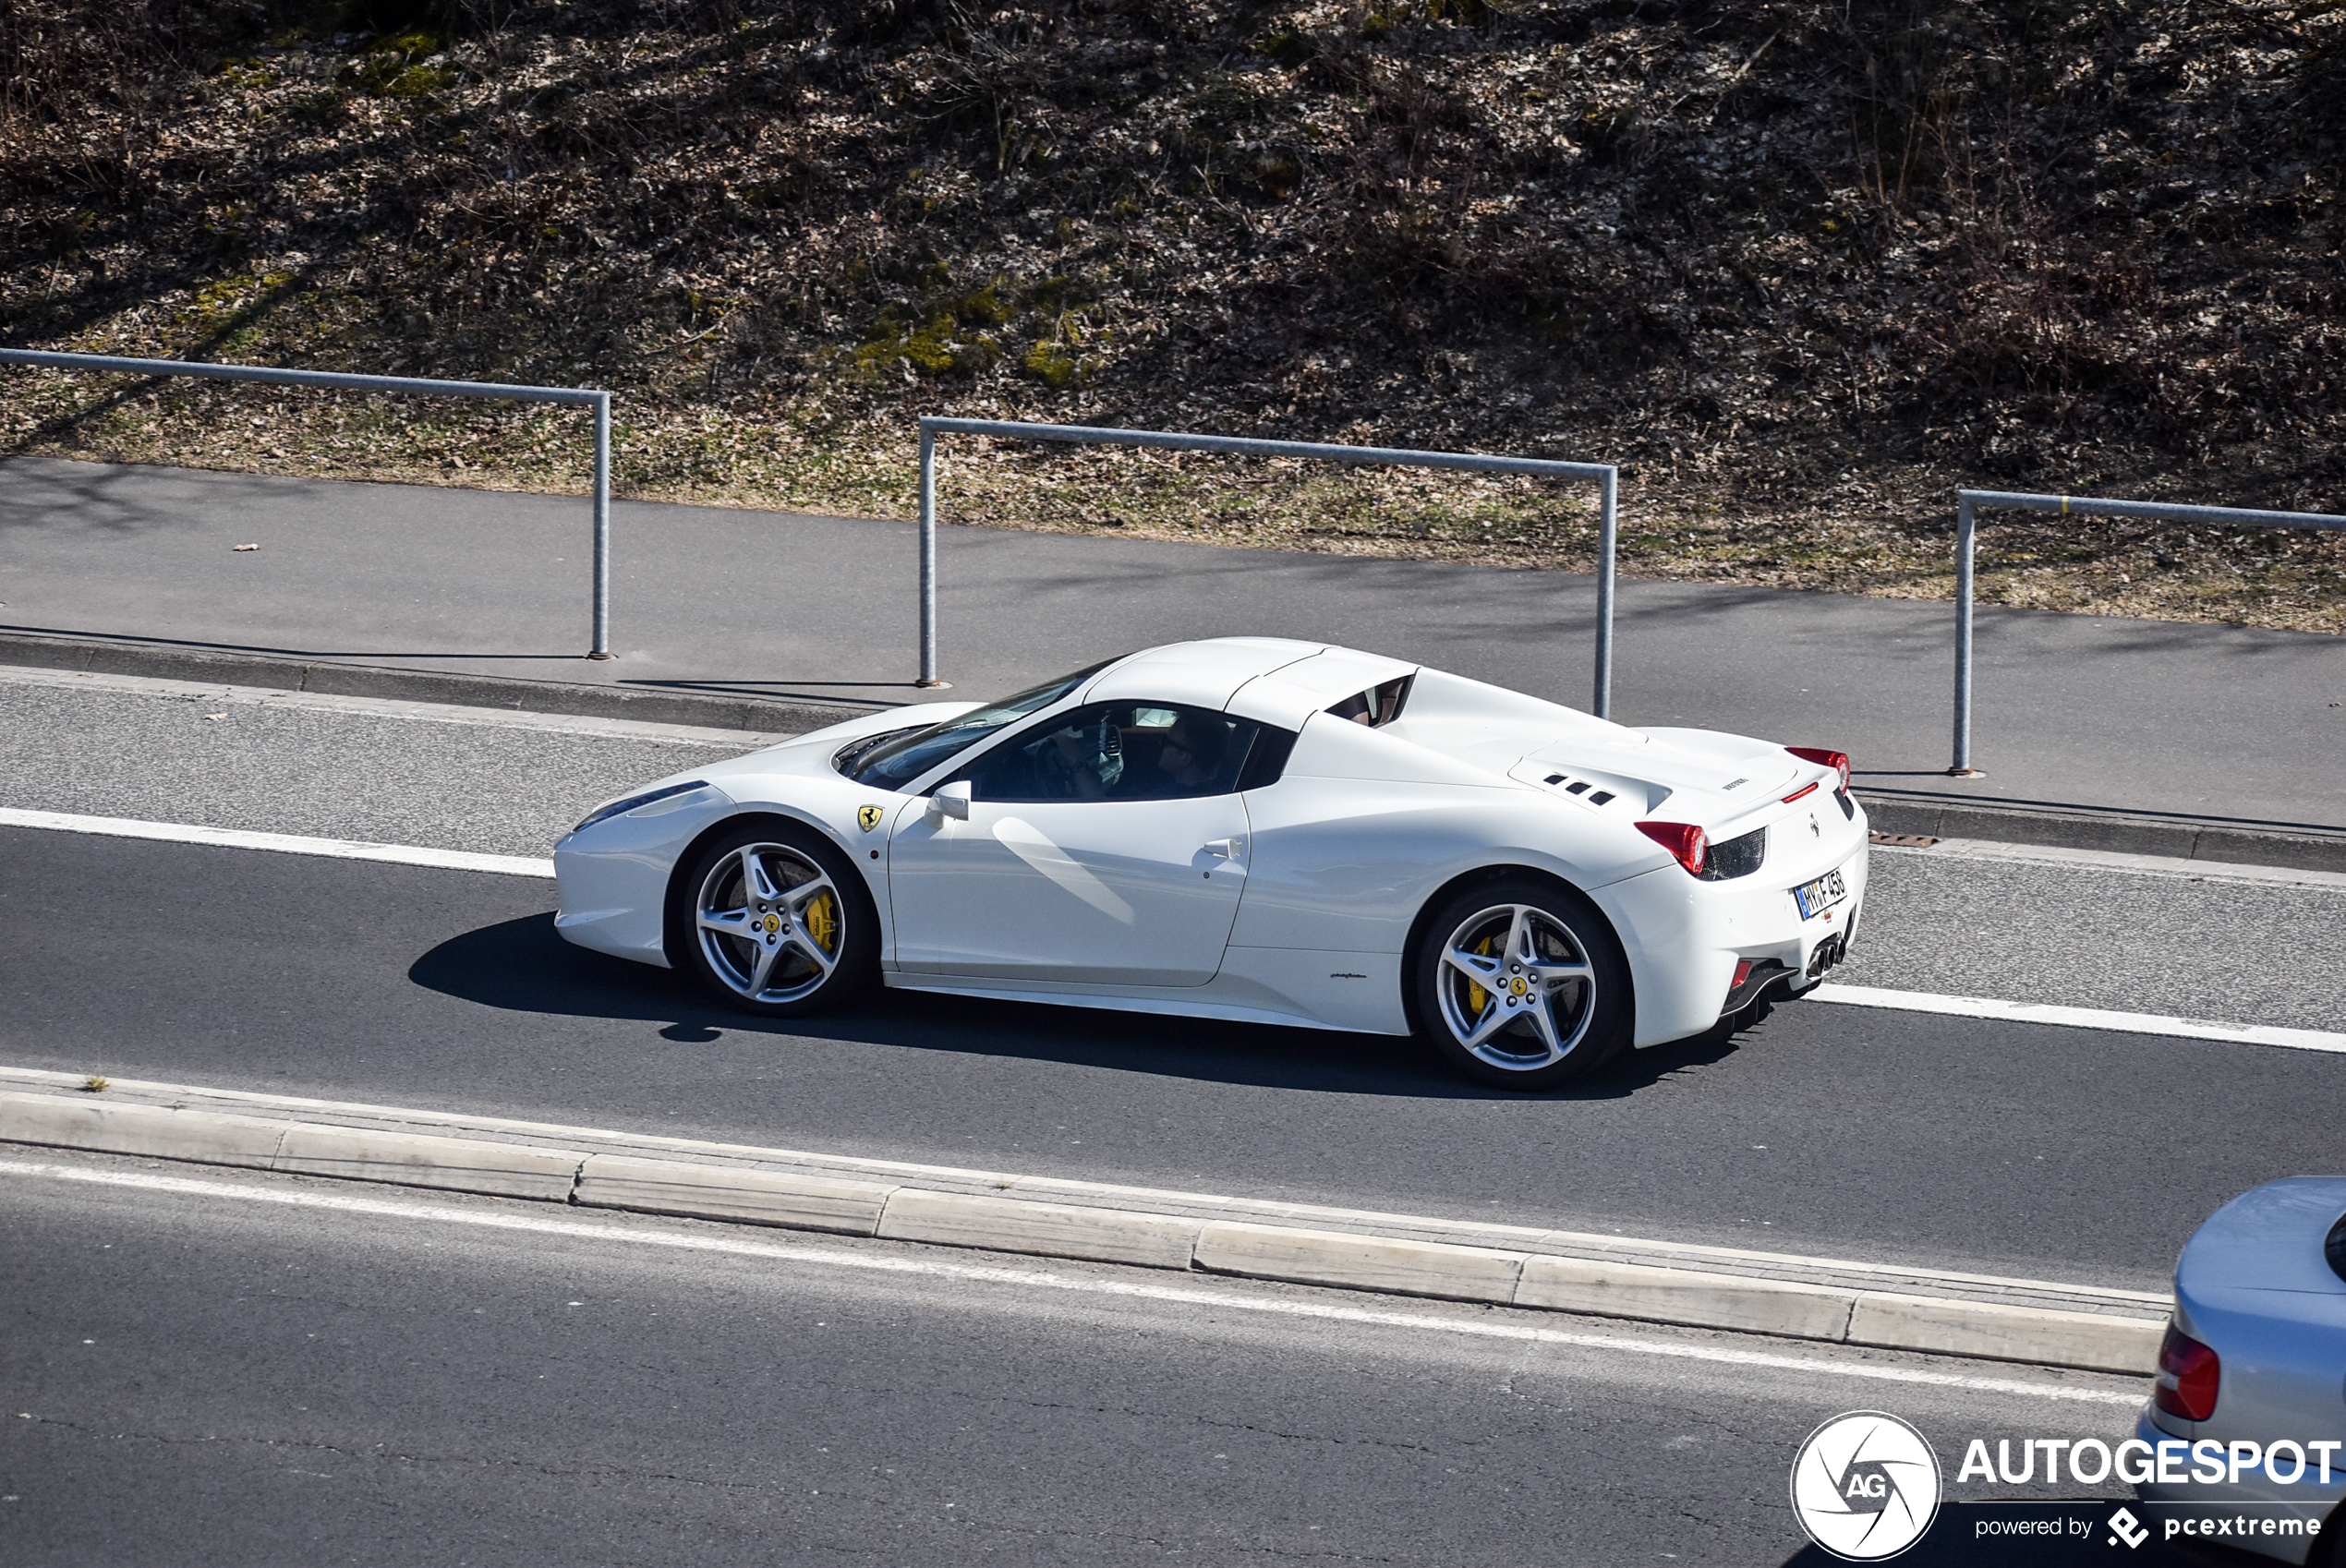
{"x":821,"y":1256}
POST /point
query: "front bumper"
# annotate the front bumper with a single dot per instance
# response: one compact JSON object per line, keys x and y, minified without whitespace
{"x":611,"y":881}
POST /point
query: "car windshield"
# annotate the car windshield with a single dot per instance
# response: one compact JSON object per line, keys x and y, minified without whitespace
{"x":891,"y":762}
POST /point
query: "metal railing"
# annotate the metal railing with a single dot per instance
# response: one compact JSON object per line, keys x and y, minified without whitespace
{"x":1968,"y":504}
{"x":412,"y":386}
{"x":1604,"y":474}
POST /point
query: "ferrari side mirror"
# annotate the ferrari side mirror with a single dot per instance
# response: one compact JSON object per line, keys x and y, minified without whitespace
{"x":950,"y":799}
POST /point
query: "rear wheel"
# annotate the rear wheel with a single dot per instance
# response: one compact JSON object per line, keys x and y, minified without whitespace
{"x":774,"y":920}
{"x":1520,"y":983}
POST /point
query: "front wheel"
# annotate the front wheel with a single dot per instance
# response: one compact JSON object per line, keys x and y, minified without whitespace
{"x":1519,"y":983}
{"x":773,"y":919}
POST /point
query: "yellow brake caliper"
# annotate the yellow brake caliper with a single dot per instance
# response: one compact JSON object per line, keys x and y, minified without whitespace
{"x":1477,"y":997}
{"x":822,"y":921}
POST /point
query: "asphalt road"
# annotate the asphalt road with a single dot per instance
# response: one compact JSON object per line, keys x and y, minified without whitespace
{"x":511,"y":784}
{"x":374,"y":1377}
{"x":463,"y":781}
{"x":1846,"y":1131}
{"x":211,"y":1379}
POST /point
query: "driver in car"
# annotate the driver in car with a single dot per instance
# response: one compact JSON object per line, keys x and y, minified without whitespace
{"x":1086,"y":760}
{"x":1189,"y":758}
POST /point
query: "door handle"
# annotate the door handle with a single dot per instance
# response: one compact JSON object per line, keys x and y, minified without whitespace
{"x":1228,"y":848}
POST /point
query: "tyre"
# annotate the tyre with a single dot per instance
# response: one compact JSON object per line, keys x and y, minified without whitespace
{"x":1520,"y":982}
{"x":773,"y":919}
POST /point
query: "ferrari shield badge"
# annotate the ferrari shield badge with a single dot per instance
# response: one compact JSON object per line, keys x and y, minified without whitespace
{"x":869,"y":817}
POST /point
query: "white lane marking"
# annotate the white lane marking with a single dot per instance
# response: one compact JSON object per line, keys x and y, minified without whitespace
{"x":283,"y":843}
{"x":836,"y":1257}
{"x":2080,"y":1018}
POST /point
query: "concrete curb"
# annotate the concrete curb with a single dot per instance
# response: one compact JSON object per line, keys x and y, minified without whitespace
{"x":1637,"y":1290}
{"x":1053,"y":1230}
{"x":2304,"y":845}
{"x":1968,"y":1328}
{"x":722,"y":1192}
{"x":731,"y":1191}
{"x":409,"y":1159}
{"x":101,"y":656}
{"x":1393,"y":1265}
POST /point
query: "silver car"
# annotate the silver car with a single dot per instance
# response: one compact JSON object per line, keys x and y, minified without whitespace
{"x":2252,"y":1380}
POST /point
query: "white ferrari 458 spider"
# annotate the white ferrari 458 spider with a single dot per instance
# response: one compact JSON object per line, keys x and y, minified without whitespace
{"x":1251,"y":829}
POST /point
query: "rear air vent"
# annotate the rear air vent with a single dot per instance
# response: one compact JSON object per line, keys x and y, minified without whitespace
{"x":1584,"y":787}
{"x":1736,"y":857}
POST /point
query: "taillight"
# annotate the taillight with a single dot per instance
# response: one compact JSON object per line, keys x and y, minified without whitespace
{"x":1838,"y":761}
{"x":2188,"y":1375}
{"x":1689,"y":845}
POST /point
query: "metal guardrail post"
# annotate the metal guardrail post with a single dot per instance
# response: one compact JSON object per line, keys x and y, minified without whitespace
{"x":1967,"y":536}
{"x":1968,"y":504}
{"x":603,"y":528}
{"x":1604,"y":474}
{"x":1608,"y":543}
{"x":410,"y":386}
{"x":928,"y":561}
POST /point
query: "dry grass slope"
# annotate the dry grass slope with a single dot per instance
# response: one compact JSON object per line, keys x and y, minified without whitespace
{"x":1802,"y":265}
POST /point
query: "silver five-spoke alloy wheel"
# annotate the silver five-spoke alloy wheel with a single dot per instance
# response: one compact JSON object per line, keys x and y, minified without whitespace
{"x":769,"y":923}
{"x":1515,"y":991}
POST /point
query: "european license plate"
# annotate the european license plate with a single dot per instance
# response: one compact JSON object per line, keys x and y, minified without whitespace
{"x":1815,"y":898}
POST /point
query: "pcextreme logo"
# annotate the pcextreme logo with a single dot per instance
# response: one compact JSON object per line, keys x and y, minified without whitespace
{"x":1865,"y":1486}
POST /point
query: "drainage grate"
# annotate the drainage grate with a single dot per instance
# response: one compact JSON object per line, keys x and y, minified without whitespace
{"x":1903,"y":840}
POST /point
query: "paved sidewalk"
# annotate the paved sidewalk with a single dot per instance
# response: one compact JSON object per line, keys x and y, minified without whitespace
{"x":2073,"y":711}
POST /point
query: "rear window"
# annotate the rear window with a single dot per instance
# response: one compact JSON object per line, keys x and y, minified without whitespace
{"x":1377,"y":706}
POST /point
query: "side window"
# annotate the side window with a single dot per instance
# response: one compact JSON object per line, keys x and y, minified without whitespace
{"x":1119,"y":752}
{"x":1266,"y":760}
